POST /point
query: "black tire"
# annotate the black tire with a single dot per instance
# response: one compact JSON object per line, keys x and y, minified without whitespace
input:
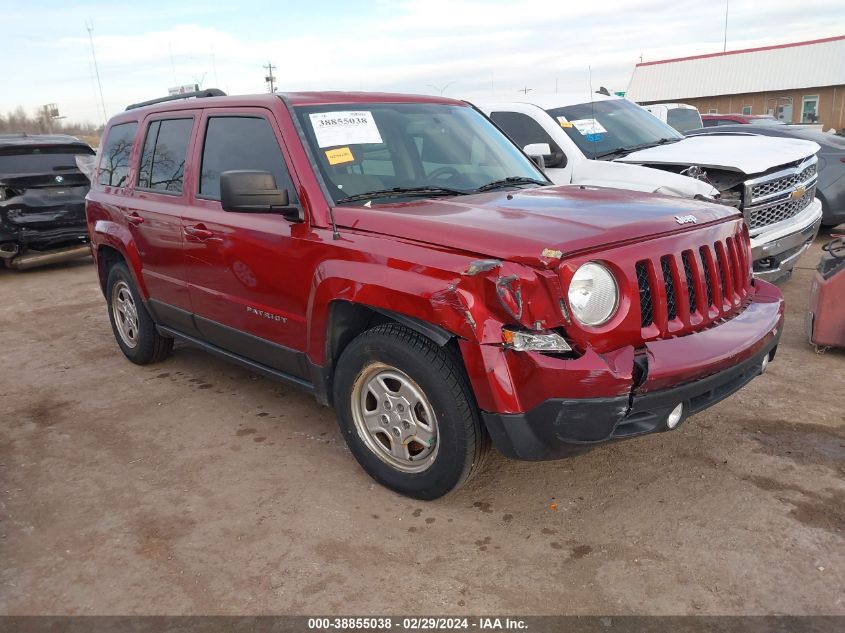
{"x":439,"y":376}
{"x":149,"y":346}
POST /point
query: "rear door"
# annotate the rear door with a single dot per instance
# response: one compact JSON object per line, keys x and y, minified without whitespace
{"x":155,"y":214}
{"x":246,"y":273}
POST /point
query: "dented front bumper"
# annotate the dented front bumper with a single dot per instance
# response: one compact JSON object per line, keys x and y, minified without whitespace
{"x":540,"y":407}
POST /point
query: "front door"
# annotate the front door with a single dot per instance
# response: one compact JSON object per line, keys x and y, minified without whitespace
{"x":247,"y":288}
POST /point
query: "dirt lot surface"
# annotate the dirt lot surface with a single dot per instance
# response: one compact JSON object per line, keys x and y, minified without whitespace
{"x":194,"y":487}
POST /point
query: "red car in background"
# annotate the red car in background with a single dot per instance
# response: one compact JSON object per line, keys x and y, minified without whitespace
{"x":713,"y":120}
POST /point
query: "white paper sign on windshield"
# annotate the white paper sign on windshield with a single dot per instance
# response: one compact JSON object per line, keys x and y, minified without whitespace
{"x":344,"y":128}
{"x":588,"y":126}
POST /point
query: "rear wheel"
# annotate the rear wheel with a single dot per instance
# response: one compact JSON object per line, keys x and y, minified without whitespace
{"x":132,"y":325}
{"x":407,"y":412}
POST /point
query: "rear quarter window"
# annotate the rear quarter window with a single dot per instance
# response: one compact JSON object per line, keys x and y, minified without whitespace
{"x":162,"y":165}
{"x":114,"y":164}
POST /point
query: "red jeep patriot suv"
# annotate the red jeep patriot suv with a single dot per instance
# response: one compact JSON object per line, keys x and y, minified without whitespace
{"x":400,"y":258}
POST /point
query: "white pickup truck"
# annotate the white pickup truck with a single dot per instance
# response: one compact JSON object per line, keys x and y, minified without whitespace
{"x":612,"y":142}
{"x":680,"y":116}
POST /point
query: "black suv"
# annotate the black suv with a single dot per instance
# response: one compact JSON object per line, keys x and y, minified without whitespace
{"x":42,"y":199}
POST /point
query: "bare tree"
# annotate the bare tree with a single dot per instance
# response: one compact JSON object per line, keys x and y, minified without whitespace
{"x":19,"y":122}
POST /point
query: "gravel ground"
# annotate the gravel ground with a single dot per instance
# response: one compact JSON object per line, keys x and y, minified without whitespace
{"x":194,"y":487}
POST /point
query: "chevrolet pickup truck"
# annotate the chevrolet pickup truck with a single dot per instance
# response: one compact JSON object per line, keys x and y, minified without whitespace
{"x":402,"y":260}
{"x":610,"y":141}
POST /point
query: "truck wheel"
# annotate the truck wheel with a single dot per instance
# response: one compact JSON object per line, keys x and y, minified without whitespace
{"x":132,"y":325}
{"x":407,"y":412}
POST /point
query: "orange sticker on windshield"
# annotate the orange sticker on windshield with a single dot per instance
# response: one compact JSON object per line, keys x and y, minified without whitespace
{"x":339,"y":156}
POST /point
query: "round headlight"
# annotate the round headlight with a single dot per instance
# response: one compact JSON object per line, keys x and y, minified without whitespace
{"x":593,"y":294}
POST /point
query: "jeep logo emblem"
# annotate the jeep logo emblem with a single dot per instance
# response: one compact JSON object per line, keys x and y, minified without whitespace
{"x":686,"y":219}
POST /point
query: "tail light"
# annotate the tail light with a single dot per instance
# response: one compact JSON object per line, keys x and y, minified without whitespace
{"x":8,"y":192}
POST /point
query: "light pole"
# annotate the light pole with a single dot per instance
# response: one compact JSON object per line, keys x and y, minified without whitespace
{"x":440,"y":90}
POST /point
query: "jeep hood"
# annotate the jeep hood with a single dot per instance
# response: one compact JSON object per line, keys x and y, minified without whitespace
{"x":745,"y":154}
{"x":520,"y":225}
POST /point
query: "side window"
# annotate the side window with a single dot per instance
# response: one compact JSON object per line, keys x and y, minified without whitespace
{"x":114,"y":164}
{"x":240,"y":142}
{"x":163,"y":159}
{"x":523,"y":129}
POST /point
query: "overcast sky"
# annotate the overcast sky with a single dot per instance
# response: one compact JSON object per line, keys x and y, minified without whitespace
{"x":471,"y":48}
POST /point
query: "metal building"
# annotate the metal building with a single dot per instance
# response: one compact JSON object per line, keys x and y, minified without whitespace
{"x":802,"y":82}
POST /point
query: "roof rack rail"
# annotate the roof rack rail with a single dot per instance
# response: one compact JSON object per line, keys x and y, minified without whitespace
{"x":208,"y":92}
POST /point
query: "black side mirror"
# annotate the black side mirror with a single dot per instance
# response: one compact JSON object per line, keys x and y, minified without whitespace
{"x":252,"y":191}
{"x":556,"y":159}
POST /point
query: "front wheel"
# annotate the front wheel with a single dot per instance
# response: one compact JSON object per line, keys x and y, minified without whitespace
{"x":407,"y":412}
{"x":132,"y":325}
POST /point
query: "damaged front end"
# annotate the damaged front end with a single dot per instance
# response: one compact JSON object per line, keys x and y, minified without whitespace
{"x":686,"y":329}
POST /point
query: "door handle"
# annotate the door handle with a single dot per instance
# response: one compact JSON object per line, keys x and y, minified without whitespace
{"x":199,"y":232}
{"x":134,"y":219}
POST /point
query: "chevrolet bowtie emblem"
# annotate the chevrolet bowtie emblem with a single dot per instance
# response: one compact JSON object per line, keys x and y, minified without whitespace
{"x":799,"y":193}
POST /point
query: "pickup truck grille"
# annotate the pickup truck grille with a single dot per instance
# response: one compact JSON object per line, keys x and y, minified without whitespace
{"x":778,"y":196}
{"x":786,"y":183}
{"x":678,"y":291}
{"x":772,"y":214}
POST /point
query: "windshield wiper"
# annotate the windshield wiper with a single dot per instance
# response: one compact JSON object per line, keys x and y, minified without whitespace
{"x":621,"y":151}
{"x":510,"y":181}
{"x":396,"y":192}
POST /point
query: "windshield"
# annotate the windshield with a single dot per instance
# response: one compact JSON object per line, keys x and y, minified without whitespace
{"x":605,"y":128}
{"x":684,"y":119}
{"x":40,"y":160}
{"x":435,"y":149}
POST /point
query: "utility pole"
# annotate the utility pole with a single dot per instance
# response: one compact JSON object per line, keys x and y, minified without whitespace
{"x":90,"y":27}
{"x":525,"y":90}
{"x":214,"y":66}
{"x":172,"y":63}
{"x":725,"y":45}
{"x":269,"y":78}
{"x":50,"y":113}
